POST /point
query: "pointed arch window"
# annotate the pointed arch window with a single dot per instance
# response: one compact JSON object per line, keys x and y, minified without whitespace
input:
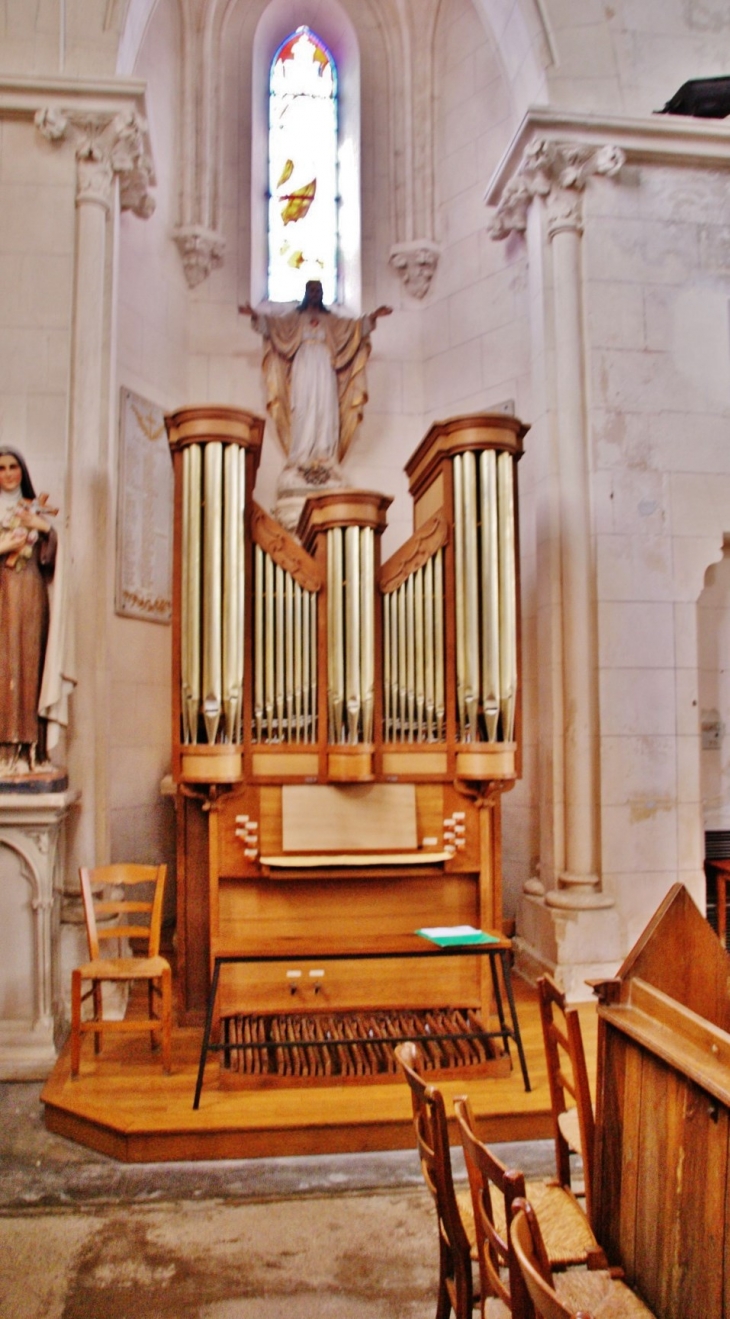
{"x":303,"y":219}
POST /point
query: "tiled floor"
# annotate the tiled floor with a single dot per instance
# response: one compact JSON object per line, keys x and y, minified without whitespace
{"x":82,"y":1237}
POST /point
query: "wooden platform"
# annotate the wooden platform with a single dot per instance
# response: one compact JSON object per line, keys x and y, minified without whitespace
{"x":123,"y":1105}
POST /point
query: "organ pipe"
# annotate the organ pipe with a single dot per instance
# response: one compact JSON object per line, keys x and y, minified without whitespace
{"x":507,"y":595}
{"x":212,"y":589}
{"x":478,"y":667}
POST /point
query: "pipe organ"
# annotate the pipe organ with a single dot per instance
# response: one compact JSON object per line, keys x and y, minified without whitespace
{"x":343,"y":727}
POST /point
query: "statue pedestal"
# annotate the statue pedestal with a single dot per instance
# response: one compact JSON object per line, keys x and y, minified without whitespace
{"x":32,"y":839}
{"x":297,"y":484}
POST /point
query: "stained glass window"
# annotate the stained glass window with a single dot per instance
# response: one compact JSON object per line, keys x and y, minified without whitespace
{"x":303,"y":200}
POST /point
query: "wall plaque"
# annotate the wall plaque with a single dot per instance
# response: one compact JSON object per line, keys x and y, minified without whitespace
{"x":144,"y":512}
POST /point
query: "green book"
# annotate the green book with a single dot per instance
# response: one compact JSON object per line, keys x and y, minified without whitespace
{"x":446,"y":935}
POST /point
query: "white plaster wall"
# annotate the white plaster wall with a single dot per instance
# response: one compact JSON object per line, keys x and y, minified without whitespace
{"x":713,"y":643}
{"x":630,"y":56}
{"x":476,"y":335}
{"x":77,"y":38}
{"x":36,"y":279}
{"x":152,"y":311}
{"x":657,"y":271}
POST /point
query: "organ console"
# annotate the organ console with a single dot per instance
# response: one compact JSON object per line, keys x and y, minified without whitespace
{"x":343,"y":727}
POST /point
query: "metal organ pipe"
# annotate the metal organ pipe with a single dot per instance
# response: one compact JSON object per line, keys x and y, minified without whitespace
{"x":490,"y":591}
{"x":352,"y":632}
{"x":459,"y":594}
{"x":507,"y":595}
{"x":212,"y":589}
{"x":367,"y":616}
{"x":232,"y":622}
{"x":471,"y":597}
{"x":413,"y":661}
{"x":485,"y":594}
{"x":284,"y":654}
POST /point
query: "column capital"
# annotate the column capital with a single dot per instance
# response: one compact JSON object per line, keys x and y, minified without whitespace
{"x":558,"y":172}
{"x":106,"y":145}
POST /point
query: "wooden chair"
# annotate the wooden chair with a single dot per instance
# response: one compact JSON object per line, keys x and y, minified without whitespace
{"x":576,"y":1294}
{"x":456,"y":1288}
{"x":129,"y":908}
{"x":573,"y":1121}
{"x":494,"y":1189}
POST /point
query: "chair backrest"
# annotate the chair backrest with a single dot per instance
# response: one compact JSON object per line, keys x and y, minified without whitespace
{"x":432,"y":1140}
{"x":114,"y":891}
{"x":567,"y":1076}
{"x":531,"y":1256}
{"x":489,"y":1179}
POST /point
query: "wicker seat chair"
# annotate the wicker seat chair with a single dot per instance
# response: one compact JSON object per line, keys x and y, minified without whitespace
{"x":114,"y":892}
{"x":575,"y":1294}
{"x":494,"y":1188}
{"x":570,"y":1095}
{"x":456,"y":1252}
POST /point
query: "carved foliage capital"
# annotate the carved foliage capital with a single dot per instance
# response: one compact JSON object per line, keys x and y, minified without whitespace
{"x":416,"y":263}
{"x":557,"y":172}
{"x":106,"y":145}
{"x":201,"y":249}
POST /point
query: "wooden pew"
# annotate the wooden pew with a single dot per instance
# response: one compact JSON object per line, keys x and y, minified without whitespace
{"x":661,"y":1193}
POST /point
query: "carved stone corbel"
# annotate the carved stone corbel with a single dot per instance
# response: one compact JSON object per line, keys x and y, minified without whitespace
{"x":415,"y":253}
{"x":202,"y":250}
{"x":415,"y":262}
{"x":198,"y":234}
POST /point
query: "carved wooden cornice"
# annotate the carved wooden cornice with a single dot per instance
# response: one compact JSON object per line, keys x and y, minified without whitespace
{"x":416,"y":552}
{"x":286,"y":552}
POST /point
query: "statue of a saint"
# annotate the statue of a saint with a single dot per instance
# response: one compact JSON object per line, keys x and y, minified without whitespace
{"x":27,"y":561}
{"x":314,"y":368}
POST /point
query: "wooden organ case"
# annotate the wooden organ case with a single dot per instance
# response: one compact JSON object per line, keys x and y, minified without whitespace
{"x":343,"y":728}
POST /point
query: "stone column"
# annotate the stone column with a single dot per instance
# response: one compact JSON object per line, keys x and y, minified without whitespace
{"x":559,"y":172}
{"x":108,"y":147}
{"x":579,"y":882}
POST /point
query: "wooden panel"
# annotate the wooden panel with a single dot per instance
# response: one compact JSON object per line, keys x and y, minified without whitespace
{"x":627,"y":1153}
{"x":610,"y":1106}
{"x":347,"y":908}
{"x":656,"y":1218}
{"x":679,"y":1221}
{"x":212,"y":765}
{"x":288,"y":764}
{"x":663,"y":1116}
{"x":680,"y":954}
{"x":700,"y":1279}
{"x":490,"y":761}
{"x":351,"y":985}
{"x":355,"y":908}
{"x":430,"y":502}
{"x":372,"y":817}
{"x":407,"y":763}
{"x":193,"y":926}
{"x":350,"y":764}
